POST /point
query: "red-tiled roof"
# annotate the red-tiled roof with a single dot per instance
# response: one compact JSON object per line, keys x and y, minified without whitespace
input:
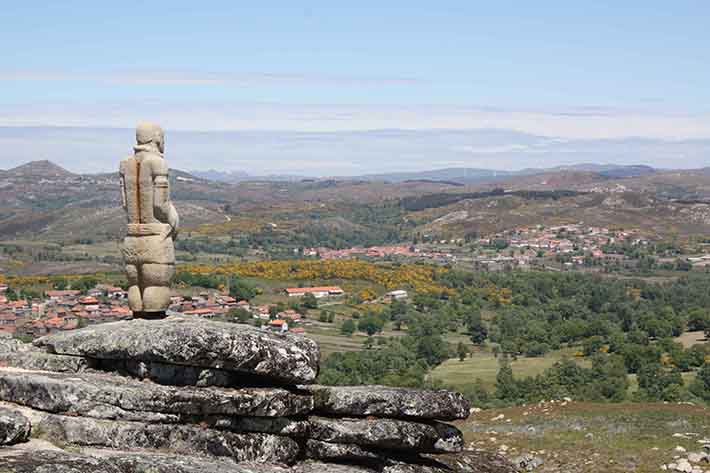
{"x":297,"y":290}
{"x":199,"y":312}
{"x":61,"y":293}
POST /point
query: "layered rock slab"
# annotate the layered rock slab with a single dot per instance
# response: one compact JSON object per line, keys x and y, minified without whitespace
{"x":388,"y":434}
{"x":283,"y":358}
{"x":14,"y":427}
{"x":382,"y":401}
{"x":52,"y":461}
{"x":181,"y":439}
{"x":43,"y":460}
{"x":106,"y":396}
{"x":41,"y":361}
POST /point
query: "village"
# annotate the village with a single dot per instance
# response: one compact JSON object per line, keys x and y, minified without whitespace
{"x":518,"y":247}
{"x":61,"y":310}
{"x":573,"y":244}
{"x":568,"y":246}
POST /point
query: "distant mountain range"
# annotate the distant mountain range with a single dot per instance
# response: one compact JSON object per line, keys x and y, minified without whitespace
{"x":235,"y":177}
{"x":453,"y":175}
{"x":41,"y":200}
{"x":288,"y":156}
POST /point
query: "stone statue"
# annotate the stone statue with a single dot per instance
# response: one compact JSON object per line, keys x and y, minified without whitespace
{"x":148,"y":249}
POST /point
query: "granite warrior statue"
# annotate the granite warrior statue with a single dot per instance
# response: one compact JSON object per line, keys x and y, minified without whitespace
{"x":148,"y":250}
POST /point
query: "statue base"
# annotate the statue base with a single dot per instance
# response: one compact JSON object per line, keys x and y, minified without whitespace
{"x":150,"y":315}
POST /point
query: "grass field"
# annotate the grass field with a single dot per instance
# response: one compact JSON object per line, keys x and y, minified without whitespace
{"x":458,"y":374}
{"x":578,"y":437}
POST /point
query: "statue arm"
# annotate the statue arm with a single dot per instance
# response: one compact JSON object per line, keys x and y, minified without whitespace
{"x":162,"y":204}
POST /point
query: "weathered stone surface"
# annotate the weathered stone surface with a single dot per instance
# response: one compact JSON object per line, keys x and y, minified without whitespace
{"x":342,"y":452}
{"x":44,"y":458}
{"x":388,"y":434}
{"x":317,"y":467}
{"x":466,"y":462}
{"x":9,"y":344}
{"x":389,"y":402}
{"x":181,"y":439}
{"x":37,"y":360}
{"x":268,"y":425}
{"x":130,"y":462}
{"x":193,"y":342}
{"x":469,"y":461}
{"x":41,"y":459}
{"x":50,"y":461}
{"x":106,"y":396}
{"x":173,"y":375}
{"x":14,"y":427}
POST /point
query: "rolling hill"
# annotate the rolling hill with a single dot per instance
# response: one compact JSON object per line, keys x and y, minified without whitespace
{"x":40,"y":200}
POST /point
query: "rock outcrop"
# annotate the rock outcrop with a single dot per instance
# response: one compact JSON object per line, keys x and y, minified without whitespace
{"x":388,"y":402}
{"x":195,"y":343}
{"x":185,"y":395}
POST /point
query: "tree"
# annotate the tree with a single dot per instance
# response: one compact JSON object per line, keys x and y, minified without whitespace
{"x":371,"y":324}
{"x":506,"y":387}
{"x":323,"y":316}
{"x":476,"y":330}
{"x":368,"y":343}
{"x":273,"y":311}
{"x":60,"y":284}
{"x":701,"y":386}
{"x":697,"y":319}
{"x":348,"y":327}
{"x":609,"y":379}
{"x":658,"y":383}
{"x":462,"y":351}
{"x":240,"y":315}
{"x":309,"y":301}
{"x":241,"y":290}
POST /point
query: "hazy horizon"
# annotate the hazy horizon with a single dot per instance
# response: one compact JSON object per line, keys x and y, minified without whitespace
{"x":343,"y":153}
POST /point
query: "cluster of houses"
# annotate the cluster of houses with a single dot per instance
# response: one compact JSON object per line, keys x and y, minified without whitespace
{"x":210,"y":304}
{"x":70,"y":309}
{"x":531,"y":242}
{"x":61,"y":310}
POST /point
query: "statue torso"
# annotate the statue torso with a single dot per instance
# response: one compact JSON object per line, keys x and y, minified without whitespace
{"x":138,"y":172}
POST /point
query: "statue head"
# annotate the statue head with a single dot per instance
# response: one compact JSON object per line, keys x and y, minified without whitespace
{"x":150,"y":133}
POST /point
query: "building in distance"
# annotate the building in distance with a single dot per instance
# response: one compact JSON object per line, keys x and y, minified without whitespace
{"x":318,"y":292}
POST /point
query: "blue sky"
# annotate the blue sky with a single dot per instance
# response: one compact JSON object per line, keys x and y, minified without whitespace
{"x":588,"y":70}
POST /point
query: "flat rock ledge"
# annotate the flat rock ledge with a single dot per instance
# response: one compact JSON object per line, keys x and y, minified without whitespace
{"x":38,"y":457}
{"x":384,"y":401}
{"x":187,"y":396}
{"x":200,"y":343}
{"x":107,"y":396}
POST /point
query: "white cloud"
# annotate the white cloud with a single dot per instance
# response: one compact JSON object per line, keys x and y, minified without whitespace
{"x":330,"y":118}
